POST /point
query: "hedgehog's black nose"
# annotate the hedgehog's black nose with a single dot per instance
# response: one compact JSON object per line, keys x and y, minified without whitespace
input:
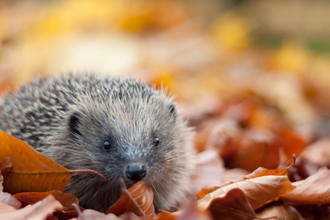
{"x":135,"y":171}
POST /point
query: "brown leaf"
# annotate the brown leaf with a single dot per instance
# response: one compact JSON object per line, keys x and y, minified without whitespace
{"x":66,"y":201}
{"x":257,"y":173}
{"x":280,"y":212}
{"x":7,"y":198}
{"x":137,"y":199}
{"x":233,"y":205}
{"x":261,"y":171}
{"x":259,"y":190}
{"x":31,"y":170}
{"x":38,"y":211}
{"x":313,"y":190}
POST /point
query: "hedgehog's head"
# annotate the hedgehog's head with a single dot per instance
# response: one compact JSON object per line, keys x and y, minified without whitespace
{"x":130,"y":134}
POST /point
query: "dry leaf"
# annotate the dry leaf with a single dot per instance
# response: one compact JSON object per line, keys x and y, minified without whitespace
{"x":233,"y":205}
{"x":313,"y":190}
{"x":38,"y":211}
{"x":280,"y":212}
{"x":137,"y":199}
{"x":31,"y":168}
{"x":257,"y":173}
{"x":259,"y":190}
{"x":7,"y":198}
{"x":66,"y":200}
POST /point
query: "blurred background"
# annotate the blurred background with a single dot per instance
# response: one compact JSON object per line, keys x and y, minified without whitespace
{"x":262,"y":64}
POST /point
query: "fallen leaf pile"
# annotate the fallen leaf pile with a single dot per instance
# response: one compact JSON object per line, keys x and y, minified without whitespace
{"x":260,"y":114}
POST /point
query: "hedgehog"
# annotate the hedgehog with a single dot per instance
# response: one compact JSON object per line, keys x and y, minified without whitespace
{"x":122,"y":128}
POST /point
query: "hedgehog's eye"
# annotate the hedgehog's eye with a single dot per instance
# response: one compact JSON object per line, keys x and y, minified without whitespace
{"x":156,"y":141}
{"x":106,"y":145}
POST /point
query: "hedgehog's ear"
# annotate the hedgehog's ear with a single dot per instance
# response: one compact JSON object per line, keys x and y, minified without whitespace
{"x":172,"y":110}
{"x":74,"y":122}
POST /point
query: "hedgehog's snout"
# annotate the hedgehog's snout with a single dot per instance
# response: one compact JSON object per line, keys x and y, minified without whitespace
{"x":135,"y":171}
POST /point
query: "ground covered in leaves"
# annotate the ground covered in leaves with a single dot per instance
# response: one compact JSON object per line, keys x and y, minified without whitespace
{"x":261,"y":115}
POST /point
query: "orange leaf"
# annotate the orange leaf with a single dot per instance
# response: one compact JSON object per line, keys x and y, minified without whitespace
{"x":164,"y":215}
{"x":31,"y":170}
{"x":292,"y":143}
{"x":313,"y":190}
{"x":259,"y":190}
{"x":137,"y":199}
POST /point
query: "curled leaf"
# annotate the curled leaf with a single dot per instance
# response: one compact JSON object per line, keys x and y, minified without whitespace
{"x":137,"y":199}
{"x":259,"y":190}
{"x":313,"y":190}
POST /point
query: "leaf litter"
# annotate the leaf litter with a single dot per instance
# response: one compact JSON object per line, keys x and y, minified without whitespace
{"x":250,"y":108}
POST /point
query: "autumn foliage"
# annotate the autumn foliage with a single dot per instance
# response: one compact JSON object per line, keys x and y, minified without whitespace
{"x":233,"y":199}
{"x":261,"y":116}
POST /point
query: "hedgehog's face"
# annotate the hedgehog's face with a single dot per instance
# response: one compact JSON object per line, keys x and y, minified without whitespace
{"x":135,"y":141}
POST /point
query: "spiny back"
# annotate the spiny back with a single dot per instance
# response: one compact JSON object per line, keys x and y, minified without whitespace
{"x":36,"y":107}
